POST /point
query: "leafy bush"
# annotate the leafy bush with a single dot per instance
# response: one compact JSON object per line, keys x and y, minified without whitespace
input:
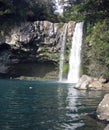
{"x":96,"y":49}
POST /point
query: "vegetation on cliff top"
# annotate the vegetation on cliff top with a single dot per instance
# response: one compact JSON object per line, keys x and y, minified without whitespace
{"x":31,"y":10}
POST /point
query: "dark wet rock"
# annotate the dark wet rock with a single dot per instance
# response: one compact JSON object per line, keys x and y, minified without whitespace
{"x":4,"y":46}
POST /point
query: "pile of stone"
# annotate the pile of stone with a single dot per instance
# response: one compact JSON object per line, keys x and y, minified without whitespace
{"x":91,"y":83}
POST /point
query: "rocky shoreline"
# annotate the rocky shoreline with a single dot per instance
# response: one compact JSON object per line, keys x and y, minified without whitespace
{"x":102,"y":111}
{"x":91,"y":83}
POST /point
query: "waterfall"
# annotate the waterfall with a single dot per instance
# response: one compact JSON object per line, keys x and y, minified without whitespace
{"x":63,"y":41}
{"x":75,"y":54}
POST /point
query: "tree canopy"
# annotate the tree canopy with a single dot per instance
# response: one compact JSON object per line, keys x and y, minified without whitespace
{"x":87,"y":9}
{"x":26,"y":9}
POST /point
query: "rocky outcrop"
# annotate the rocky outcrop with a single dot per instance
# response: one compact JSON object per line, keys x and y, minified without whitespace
{"x":38,"y":40}
{"x":83,"y":82}
{"x":32,"y":41}
{"x":95,"y":85}
{"x":90,"y":83}
{"x":103,"y":109}
{"x":107,"y":127}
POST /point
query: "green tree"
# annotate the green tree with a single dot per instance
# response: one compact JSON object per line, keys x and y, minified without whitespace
{"x":5,"y":7}
{"x":26,"y":9}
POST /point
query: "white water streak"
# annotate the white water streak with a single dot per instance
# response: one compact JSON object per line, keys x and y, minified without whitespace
{"x":63,"y":42}
{"x":75,"y":55}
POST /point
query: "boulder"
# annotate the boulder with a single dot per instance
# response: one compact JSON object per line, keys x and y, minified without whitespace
{"x":103,"y":109}
{"x":89,"y":83}
{"x":95,"y":85}
{"x":83,"y":82}
{"x":107,"y":127}
{"x":106,"y":86}
{"x":101,"y":79}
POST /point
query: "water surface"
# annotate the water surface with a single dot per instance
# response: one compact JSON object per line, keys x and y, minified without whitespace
{"x":47,"y":105}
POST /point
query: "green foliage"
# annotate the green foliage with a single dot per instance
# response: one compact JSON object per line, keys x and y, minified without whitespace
{"x":96,"y":49}
{"x":30,"y":10}
{"x":73,"y":14}
{"x":87,"y":10}
{"x":65,"y":69}
{"x":5,"y":7}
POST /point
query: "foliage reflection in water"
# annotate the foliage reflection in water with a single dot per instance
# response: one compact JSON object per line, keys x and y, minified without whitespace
{"x":46,"y":105}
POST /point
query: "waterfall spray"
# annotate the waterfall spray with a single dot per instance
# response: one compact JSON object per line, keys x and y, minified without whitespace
{"x":75,"y":55}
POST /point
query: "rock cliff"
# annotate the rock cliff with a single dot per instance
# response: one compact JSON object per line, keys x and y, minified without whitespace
{"x":38,"y":41}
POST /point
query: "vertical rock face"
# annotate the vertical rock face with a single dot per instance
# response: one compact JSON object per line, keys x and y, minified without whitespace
{"x":32,"y":41}
{"x":32,"y":35}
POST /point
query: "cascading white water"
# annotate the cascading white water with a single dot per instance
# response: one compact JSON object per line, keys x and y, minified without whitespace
{"x":75,"y":55}
{"x":63,"y":41}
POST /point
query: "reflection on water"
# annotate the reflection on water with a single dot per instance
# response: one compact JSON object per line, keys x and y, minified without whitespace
{"x":72,"y":102}
{"x":46,"y":106}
